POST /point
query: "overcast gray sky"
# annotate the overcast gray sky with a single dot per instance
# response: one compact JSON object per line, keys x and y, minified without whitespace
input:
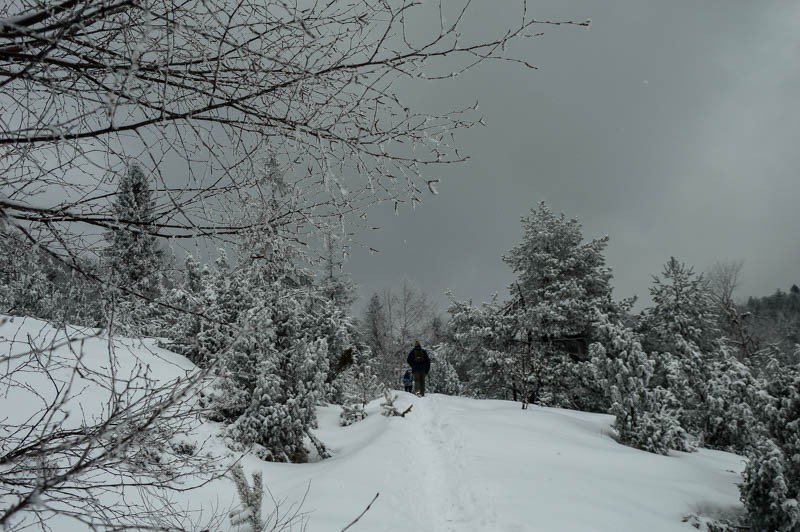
{"x":671,"y":126}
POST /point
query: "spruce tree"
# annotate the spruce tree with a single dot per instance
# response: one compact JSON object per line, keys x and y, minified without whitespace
{"x":273,"y":367}
{"x":133,"y":256}
{"x":683,"y":317}
{"x":680,"y":331}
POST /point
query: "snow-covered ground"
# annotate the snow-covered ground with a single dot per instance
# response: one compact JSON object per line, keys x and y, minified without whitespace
{"x":457,"y":464}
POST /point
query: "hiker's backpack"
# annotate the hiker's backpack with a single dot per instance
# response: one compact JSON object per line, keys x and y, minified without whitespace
{"x":419,"y":356}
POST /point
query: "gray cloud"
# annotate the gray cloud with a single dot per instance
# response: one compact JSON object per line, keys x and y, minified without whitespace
{"x":670,"y":126}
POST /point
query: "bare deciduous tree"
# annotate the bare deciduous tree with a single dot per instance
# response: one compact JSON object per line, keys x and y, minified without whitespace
{"x":392,"y":322}
{"x":723,"y":279}
{"x":84,"y":437}
{"x":200,"y":91}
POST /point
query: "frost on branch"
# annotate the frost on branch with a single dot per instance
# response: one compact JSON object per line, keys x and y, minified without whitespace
{"x":247,"y":518}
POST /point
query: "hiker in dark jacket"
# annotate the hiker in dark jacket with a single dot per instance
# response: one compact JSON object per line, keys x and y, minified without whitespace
{"x":420,"y":366}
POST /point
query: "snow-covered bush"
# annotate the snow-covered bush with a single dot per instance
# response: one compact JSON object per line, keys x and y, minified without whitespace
{"x":272,"y":379}
{"x":771,"y":486}
{"x":248,"y":516}
{"x":360,"y":386}
{"x":729,"y":409}
{"x":389,"y":408}
{"x":364,"y":386}
{"x":642,"y":417}
{"x":769,"y":494}
{"x":351,"y":413}
{"x":443,"y":377}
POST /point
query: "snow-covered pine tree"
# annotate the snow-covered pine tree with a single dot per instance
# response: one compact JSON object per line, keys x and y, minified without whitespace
{"x":34,"y":283}
{"x":562,"y":283}
{"x":272,"y":374}
{"x":624,"y":372}
{"x":225,"y":298}
{"x":731,"y":404}
{"x":132,"y":259}
{"x":25,"y":287}
{"x":179,"y":327}
{"x":377,"y":334}
{"x":344,"y":347}
{"x":352,"y":412}
{"x":365,"y":386}
{"x":771,"y":487}
{"x":334,"y":283}
{"x":481,"y":342}
{"x":389,"y":410}
{"x":769,"y":496}
{"x":133,"y":256}
{"x":272,"y":377}
{"x":683,"y":316}
{"x":681,"y":327}
{"x":443,"y":377}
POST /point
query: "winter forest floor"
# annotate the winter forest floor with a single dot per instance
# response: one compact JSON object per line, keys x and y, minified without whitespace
{"x":453,"y":464}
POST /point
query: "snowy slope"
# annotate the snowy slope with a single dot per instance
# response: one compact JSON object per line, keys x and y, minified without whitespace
{"x":456,"y":464}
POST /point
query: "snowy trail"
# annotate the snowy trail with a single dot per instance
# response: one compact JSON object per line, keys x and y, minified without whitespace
{"x":441,"y":461}
{"x":461,"y":465}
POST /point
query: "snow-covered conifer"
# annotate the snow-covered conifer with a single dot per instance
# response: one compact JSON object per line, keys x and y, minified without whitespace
{"x":366,"y":386}
{"x":443,"y":377}
{"x":334,"y":283}
{"x":25,"y":289}
{"x":133,"y":255}
{"x":729,"y":410}
{"x":624,"y":372}
{"x":771,"y":487}
{"x":683,"y":317}
{"x":273,"y":378}
{"x":769,"y":496}
{"x":182,"y":323}
{"x":681,"y":330}
{"x":351,"y":413}
{"x":389,"y":410}
{"x":563,"y":282}
{"x":481,"y":343}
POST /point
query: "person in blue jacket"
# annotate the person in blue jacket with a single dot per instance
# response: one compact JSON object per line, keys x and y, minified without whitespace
{"x":420,"y":364}
{"x":408,"y":380}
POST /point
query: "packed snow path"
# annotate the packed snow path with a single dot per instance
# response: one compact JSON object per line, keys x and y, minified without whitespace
{"x":462,"y":465}
{"x":439,"y":455}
